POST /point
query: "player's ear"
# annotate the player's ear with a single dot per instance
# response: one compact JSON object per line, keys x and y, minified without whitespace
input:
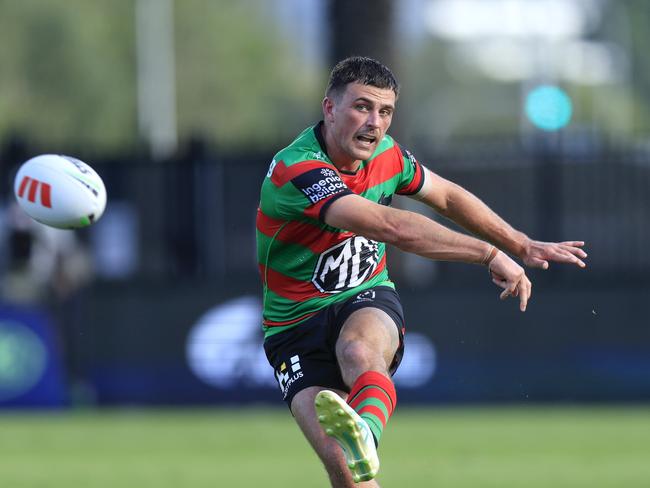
{"x":328,"y":108}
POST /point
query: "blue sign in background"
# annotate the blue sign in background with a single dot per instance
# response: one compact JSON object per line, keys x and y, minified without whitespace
{"x":31,"y":374}
{"x":195,"y":345}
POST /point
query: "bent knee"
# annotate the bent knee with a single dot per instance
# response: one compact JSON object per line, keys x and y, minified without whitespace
{"x":356,"y":354}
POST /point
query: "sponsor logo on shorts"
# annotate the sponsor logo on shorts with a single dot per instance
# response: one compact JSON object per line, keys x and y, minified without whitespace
{"x":287,"y":374}
{"x":365,"y":296}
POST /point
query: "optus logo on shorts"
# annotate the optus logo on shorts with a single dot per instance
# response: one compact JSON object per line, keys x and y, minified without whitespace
{"x":287,"y":374}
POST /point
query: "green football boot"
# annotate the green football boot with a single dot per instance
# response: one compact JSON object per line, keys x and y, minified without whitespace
{"x":351,"y":432}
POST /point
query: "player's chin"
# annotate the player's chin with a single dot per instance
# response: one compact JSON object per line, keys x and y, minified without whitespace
{"x":363,"y":152}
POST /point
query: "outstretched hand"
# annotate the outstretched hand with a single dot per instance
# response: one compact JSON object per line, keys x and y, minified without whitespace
{"x":508,"y":275}
{"x":538,"y":253}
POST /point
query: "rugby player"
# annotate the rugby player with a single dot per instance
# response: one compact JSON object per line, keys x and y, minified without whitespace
{"x":332,"y":319}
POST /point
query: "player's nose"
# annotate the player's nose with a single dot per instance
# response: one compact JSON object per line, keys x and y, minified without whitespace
{"x":373,"y":119}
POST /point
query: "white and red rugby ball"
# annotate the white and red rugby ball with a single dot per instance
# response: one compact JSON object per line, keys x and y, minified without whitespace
{"x":60,"y":191}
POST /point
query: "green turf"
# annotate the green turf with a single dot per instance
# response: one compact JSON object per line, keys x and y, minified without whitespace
{"x":495,"y":447}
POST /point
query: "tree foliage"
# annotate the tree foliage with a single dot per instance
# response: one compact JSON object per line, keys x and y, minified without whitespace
{"x":68,"y":73}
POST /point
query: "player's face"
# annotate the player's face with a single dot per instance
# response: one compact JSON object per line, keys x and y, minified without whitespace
{"x":357,"y":120}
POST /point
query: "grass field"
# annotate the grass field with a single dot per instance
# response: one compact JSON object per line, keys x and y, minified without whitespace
{"x":445,"y":447}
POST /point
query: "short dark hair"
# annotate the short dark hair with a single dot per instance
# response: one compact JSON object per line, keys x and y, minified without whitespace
{"x":363,"y":70}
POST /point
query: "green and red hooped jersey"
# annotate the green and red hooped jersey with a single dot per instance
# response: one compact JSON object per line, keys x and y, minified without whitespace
{"x":305,"y":264}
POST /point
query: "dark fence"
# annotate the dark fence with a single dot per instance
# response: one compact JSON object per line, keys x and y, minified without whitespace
{"x":195,"y":217}
{"x":173,"y":316}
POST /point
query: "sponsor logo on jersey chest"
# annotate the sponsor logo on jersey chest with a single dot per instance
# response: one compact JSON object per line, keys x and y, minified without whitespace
{"x":346,"y":265}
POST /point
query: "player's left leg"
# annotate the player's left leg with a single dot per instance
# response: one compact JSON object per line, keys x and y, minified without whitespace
{"x":365,"y":350}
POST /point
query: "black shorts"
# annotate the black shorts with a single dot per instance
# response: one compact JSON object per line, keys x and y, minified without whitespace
{"x":305,"y":355}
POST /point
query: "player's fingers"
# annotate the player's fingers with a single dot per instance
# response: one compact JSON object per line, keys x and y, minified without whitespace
{"x":509,"y":291}
{"x":538,"y":263}
{"x":499,"y":283}
{"x":573,"y":243}
{"x":525,"y":289}
{"x":575,"y":251}
{"x":523,"y":302}
{"x":498,"y":280}
{"x":572,"y":258}
{"x":564,"y":255}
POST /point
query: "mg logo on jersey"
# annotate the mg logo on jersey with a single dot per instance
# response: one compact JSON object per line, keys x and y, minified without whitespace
{"x":287,"y":374}
{"x":346,"y":265}
{"x":31,"y":186}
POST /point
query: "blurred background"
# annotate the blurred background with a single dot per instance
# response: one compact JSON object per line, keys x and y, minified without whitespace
{"x":539,"y":107}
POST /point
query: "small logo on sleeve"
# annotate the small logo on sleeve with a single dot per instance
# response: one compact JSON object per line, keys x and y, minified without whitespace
{"x":409,"y":155}
{"x":271,"y":168}
{"x":411,"y":158}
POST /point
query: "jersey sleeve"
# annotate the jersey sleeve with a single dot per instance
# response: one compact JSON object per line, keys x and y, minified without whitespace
{"x":306,"y":188}
{"x":412,"y":177}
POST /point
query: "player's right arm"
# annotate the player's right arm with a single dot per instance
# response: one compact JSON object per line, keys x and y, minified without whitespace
{"x":415,"y":233}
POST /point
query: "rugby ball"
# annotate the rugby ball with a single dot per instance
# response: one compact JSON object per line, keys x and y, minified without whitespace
{"x":60,"y":191}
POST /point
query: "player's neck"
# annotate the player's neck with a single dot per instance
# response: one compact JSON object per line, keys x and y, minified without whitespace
{"x":346,"y":166}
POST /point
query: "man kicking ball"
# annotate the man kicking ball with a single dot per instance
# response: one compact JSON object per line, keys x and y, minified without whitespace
{"x":333,"y":322}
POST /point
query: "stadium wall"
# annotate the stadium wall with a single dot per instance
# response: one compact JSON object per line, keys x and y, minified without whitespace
{"x":201,"y":344}
{"x":175,"y":250}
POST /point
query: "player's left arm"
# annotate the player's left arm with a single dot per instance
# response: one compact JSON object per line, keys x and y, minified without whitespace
{"x":468,"y":211}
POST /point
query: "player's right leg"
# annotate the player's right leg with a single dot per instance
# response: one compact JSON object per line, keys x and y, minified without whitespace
{"x":327,"y":448}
